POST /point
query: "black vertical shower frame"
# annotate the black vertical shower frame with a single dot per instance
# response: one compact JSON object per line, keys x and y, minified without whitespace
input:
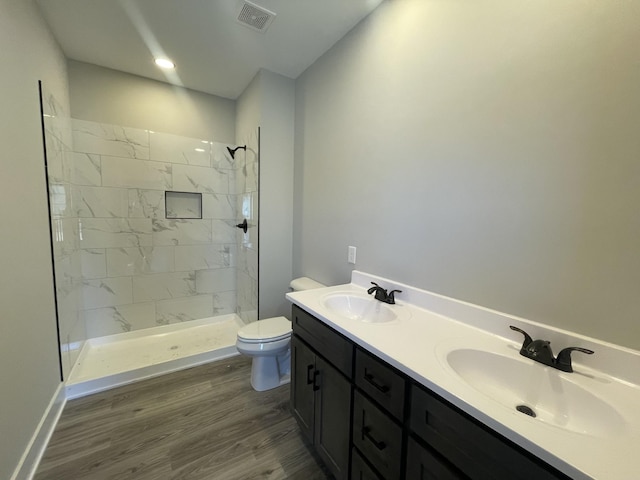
{"x":53,"y":266}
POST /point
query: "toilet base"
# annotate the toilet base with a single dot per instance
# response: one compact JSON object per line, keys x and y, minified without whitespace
{"x":269,"y":372}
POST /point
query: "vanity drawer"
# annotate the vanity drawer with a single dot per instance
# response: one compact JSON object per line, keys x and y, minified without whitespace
{"x":360,"y":469}
{"x":478,"y":452}
{"x":337,"y":349}
{"x":424,"y":464}
{"x":377,"y":437}
{"x":381,"y":382}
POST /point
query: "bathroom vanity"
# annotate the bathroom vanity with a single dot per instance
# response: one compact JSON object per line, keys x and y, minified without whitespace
{"x":389,"y":392}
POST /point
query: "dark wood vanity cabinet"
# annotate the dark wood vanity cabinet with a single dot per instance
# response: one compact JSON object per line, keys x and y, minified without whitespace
{"x":321,"y":394}
{"x":369,"y":421}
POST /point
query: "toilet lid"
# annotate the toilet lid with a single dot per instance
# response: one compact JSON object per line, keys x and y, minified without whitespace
{"x":269,"y":329}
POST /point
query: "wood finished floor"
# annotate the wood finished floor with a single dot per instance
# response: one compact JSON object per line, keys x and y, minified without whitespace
{"x":202,"y":423}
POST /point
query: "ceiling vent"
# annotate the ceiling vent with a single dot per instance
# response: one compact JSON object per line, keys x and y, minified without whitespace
{"x":254,"y":17}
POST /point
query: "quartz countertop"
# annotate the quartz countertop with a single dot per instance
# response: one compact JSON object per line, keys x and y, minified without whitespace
{"x":428,"y":325}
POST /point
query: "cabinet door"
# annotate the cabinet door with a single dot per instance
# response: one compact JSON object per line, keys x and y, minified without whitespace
{"x":303,"y":376}
{"x":333,"y":414}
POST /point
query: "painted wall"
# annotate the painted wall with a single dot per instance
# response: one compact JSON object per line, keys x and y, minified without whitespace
{"x":487,"y":151}
{"x":103,"y":95}
{"x":269,"y":102}
{"x":29,"y":372}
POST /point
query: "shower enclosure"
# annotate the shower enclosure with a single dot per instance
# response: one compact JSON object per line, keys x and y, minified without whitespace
{"x":144,"y":228}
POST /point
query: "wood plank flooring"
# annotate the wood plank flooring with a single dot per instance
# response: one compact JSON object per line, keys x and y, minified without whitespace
{"x":202,"y":423}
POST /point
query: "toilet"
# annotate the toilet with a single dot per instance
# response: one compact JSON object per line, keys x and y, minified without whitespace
{"x":268,"y":342}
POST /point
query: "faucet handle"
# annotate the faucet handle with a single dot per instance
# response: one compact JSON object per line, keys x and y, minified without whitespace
{"x":527,"y":337}
{"x":563,"y":360}
{"x":391,"y":298}
{"x":375,"y":288}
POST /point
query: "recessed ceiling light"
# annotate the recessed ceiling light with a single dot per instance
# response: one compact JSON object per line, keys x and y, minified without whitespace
{"x":165,"y":63}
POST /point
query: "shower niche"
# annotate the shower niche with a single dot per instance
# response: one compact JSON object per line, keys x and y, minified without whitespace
{"x":182,"y":205}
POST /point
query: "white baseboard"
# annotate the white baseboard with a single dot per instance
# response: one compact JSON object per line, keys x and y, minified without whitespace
{"x":28,"y":464}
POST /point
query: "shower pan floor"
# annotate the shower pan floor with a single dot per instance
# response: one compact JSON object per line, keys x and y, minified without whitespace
{"x":115,"y":360}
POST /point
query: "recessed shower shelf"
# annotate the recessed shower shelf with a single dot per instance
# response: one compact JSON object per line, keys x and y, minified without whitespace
{"x":183,"y":205}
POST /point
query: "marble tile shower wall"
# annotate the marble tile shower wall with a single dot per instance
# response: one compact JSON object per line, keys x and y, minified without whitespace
{"x":64,"y":225}
{"x":247,"y":207}
{"x":140,"y":269}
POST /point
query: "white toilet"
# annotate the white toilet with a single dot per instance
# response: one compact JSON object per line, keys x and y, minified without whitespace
{"x":268,"y":342}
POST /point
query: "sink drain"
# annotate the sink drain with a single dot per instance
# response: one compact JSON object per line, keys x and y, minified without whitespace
{"x":526,"y":410}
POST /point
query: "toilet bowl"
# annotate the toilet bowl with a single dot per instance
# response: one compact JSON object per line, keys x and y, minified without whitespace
{"x":268,"y":342}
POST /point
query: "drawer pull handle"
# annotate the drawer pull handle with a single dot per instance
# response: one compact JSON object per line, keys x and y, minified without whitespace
{"x":312,"y":379}
{"x":371,"y":379}
{"x":380,"y":445}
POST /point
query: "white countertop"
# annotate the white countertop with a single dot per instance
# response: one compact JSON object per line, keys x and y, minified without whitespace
{"x":605,"y":446}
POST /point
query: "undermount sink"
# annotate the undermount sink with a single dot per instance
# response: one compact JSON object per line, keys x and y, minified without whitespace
{"x":364,"y":309}
{"x":543,"y":393}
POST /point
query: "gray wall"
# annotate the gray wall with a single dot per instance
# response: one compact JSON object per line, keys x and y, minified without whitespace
{"x":103,"y":95}
{"x":29,"y":372}
{"x":487,"y":151}
{"x":269,"y":102}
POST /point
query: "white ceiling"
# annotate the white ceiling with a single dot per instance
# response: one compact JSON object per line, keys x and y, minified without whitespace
{"x":213,"y":53}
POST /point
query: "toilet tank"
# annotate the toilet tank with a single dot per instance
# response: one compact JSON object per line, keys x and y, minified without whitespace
{"x":304,"y":283}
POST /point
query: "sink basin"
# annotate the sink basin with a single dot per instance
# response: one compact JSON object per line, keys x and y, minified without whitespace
{"x":543,"y":393}
{"x":364,"y":309}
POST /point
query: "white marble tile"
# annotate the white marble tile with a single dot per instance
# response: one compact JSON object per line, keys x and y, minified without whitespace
{"x":94,"y":263}
{"x":127,"y":261}
{"x":184,"y":309}
{"x":247,"y":298}
{"x":198,"y":257}
{"x":122,"y":172}
{"x":146,"y":203}
{"x":106,"y":292}
{"x":102,"y":202}
{"x":182,"y":232}
{"x":218,"y":280}
{"x":224,"y":231}
{"x":65,"y":236}
{"x":161,"y":286}
{"x":61,"y":200}
{"x":119,"y":319}
{"x":187,"y":178}
{"x":224,"y":302}
{"x":218,"y":206}
{"x":165,"y":147}
{"x":87,"y":169}
{"x":115,"y":232}
{"x":103,"y":139}
{"x":68,"y":291}
{"x":58,"y":164}
{"x":220,"y":157}
{"x":248,"y":261}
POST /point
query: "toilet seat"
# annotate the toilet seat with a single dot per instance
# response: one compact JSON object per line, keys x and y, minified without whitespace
{"x":267,"y":330}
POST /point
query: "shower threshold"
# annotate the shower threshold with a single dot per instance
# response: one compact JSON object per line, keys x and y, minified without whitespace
{"x":115,"y":360}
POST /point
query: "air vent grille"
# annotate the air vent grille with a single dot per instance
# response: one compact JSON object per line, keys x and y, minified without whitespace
{"x":255,"y":17}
